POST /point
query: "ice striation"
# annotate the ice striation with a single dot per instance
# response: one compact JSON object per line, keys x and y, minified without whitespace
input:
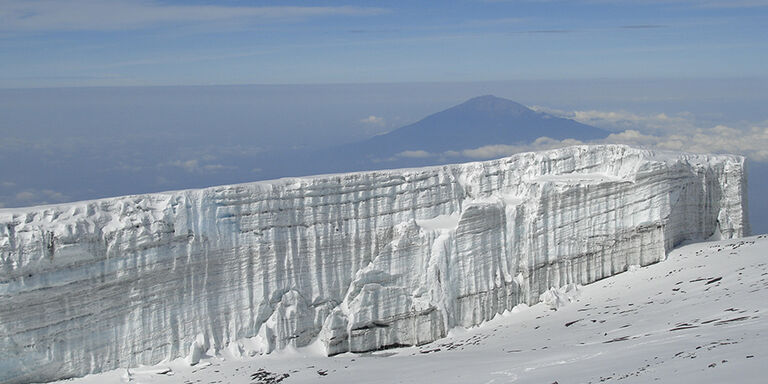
{"x":358,"y":261}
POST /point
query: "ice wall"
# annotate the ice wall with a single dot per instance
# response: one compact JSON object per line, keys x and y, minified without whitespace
{"x":360,"y":261}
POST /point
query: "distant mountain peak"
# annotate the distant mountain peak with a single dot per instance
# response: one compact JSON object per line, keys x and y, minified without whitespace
{"x":493,"y":103}
{"x":477,"y":122}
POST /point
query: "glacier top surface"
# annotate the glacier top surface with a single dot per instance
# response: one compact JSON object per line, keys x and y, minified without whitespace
{"x":646,"y":154}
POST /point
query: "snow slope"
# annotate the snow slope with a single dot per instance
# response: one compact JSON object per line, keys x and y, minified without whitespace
{"x":356,"y":262}
{"x":698,"y":317}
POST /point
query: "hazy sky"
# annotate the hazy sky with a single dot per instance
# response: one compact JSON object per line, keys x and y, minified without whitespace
{"x":289,"y":76}
{"x":150,"y":42}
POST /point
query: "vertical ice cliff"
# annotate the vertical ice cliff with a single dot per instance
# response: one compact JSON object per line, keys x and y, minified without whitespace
{"x":360,"y":261}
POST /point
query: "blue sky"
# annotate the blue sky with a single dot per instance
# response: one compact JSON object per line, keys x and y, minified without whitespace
{"x":50,"y":43}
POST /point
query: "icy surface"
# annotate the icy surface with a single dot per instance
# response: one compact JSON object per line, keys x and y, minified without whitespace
{"x":353,"y":262}
{"x":697,"y":317}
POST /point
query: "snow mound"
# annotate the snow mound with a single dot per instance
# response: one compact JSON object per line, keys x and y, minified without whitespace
{"x":556,"y":298}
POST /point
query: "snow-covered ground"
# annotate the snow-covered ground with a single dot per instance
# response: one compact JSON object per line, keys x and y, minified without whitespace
{"x":697,"y":317}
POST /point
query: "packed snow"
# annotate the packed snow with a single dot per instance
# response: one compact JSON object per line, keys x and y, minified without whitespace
{"x":346,"y":263}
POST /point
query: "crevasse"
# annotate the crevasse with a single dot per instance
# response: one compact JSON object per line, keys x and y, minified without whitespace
{"x":359,"y":261}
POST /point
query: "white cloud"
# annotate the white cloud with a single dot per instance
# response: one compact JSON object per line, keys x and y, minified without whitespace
{"x":501,"y":150}
{"x":188,"y":165}
{"x":217,"y":167}
{"x":734,"y":4}
{"x":452,"y":153}
{"x":194,"y":165}
{"x":43,"y":196}
{"x":666,"y":131}
{"x":25,"y":196}
{"x":491,"y":151}
{"x":492,"y":22}
{"x":691,"y":3}
{"x":678,"y":132}
{"x":752,"y":143}
{"x":622,"y":120}
{"x":56,"y":15}
{"x":374,"y":120}
{"x":53,"y":195}
{"x":418,"y":154}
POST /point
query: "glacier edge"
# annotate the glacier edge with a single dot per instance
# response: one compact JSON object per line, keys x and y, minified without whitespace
{"x":361,"y":261}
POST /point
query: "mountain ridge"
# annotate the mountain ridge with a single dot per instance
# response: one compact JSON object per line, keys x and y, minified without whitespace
{"x":479,"y":121}
{"x":476,"y":122}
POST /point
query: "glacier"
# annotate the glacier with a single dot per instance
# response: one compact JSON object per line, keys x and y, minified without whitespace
{"x":356,"y":262}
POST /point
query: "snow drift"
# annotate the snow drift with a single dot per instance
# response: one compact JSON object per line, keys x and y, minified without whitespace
{"x":359,"y":261}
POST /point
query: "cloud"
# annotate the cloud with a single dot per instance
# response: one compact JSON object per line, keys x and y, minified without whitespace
{"x":622,"y":120}
{"x":418,"y":154}
{"x":410,"y":154}
{"x":548,"y":31}
{"x":492,"y":22}
{"x":642,"y":26}
{"x":691,"y":3}
{"x":194,"y":165}
{"x":501,"y":150}
{"x":56,"y":15}
{"x":25,"y":196}
{"x":43,"y":196}
{"x":153,"y":60}
{"x":452,"y":154}
{"x":188,"y":165}
{"x":731,"y":4}
{"x":677,"y":3}
{"x":751,"y":142}
{"x":678,"y":132}
{"x":374,"y":120}
{"x":217,"y":167}
{"x":637,"y":27}
{"x":490,"y":151}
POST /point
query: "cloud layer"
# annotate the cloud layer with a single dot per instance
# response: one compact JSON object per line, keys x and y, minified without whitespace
{"x":54,"y":15}
{"x":678,"y":132}
{"x":374,"y":120}
{"x":752,"y":143}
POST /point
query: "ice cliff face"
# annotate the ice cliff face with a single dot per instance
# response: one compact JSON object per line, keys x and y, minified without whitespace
{"x":359,"y":261}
